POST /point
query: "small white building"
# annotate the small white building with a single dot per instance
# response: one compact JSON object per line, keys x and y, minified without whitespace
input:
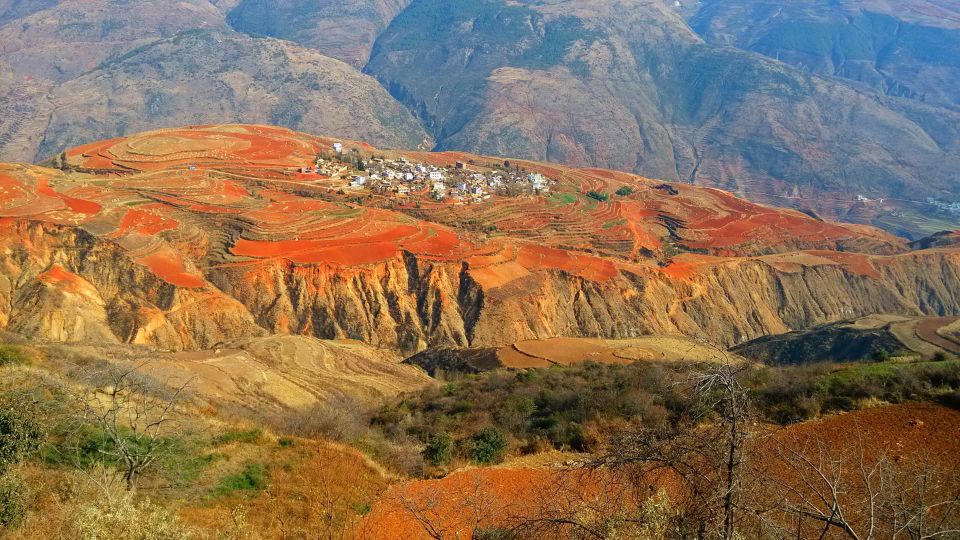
{"x":358,"y":181}
{"x":436,"y":175}
{"x":338,"y":147}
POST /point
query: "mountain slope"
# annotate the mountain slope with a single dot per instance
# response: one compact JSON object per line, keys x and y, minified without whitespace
{"x":625,"y":84}
{"x":140,"y":65}
{"x":186,"y":238}
{"x":345,"y":30}
{"x":911,"y":51}
{"x":628,"y":85}
{"x":239,"y":78}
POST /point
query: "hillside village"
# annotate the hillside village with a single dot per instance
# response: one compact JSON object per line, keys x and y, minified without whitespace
{"x":409,"y":181}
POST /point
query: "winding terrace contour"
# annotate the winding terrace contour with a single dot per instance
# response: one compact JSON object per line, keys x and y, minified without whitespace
{"x":184,"y":238}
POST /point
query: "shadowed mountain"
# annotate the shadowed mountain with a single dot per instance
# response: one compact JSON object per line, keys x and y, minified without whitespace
{"x":139,"y":65}
{"x":345,"y":30}
{"x":240,"y":78}
{"x":628,"y":85}
{"x":909,"y":49}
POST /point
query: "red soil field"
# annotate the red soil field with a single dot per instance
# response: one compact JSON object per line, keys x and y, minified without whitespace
{"x":77,"y":205}
{"x":169,"y":267}
{"x":145,"y":221}
{"x":686,"y":266}
{"x":66,"y":281}
{"x":454,"y":506}
{"x":855,"y":262}
{"x":235,"y":186}
{"x":499,"y":497}
{"x":927,"y":331}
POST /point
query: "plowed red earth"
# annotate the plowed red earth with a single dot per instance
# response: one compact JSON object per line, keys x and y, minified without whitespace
{"x":501,"y":497}
{"x":204,"y":196}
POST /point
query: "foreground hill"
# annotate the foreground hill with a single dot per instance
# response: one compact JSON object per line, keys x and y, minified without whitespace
{"x":554,"y":500}
{"x":186,"y":238}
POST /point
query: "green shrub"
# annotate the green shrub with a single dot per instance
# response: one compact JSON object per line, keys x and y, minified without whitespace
{"x":362,"y":508}
{"x":602,"y":197}
{"x":242,"y":436}
{"x":13,"y":501}
{"x":488,"y":446}
{"x":624,"y":191}
{"x":439,"y":450}
{"x":253,"y":477}
{"x":286,"y":442}
{"x":939,"y":356}
{"x":20,"y":435}
{"x":11,"y":355}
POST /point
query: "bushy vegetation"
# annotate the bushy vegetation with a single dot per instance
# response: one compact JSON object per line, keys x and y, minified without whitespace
{"x":624,"y":191}
{"x":13,"y":501}
{"x":485,"y":417}
{"x":253,"y":477}
{"x":787,"y":395}
{"x":480,"y":417}
{"x":12,"y":355}
{"x":121,"y":516}
{"x":488,"y":446}
{"x":596,"y":195}
{"x":20,"y":434}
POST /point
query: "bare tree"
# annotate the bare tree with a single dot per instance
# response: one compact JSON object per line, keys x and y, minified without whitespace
{"x":845,"y":491}
{"x":597,"y":504}
{"x":721,"y":392}
{"x":705,"y":448}
{"x":816,"y":486}
{"x":137,"y":417}
{"x":444,"y":514}
{"x":923,"y":501}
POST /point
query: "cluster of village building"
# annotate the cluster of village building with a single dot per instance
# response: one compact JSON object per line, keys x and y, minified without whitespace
{"x":404,"y":179}
{"x":950,"y":207}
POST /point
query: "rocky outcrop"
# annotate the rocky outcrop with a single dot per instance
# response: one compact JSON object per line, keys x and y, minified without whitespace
{"x":124,"y":302}
{"x":409,"y":303}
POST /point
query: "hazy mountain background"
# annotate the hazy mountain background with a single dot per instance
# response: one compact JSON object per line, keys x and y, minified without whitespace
{"x":804,"y":104}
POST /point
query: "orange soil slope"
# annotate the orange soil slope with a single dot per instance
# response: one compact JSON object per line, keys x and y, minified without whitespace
{"x":498,"y":497}
{"x":167,"y":195}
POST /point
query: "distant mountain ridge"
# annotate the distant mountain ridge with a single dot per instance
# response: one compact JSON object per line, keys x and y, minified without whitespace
{"x":852,"y":98}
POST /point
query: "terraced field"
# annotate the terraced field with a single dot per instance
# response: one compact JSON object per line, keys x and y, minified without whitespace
{"x":138,"y":188}
{"x":860,"y":339}
{"x":269,"y":375}
{"x":225,"y":209}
